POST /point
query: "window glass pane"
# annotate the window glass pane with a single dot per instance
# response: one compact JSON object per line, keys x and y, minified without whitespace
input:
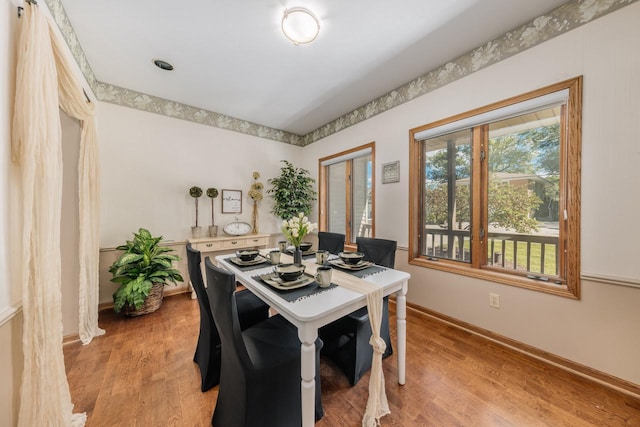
{"x":524,"y":175}
{"x":447,"y":196}
{"x":336,"y":198}
{"x":361,"y":197}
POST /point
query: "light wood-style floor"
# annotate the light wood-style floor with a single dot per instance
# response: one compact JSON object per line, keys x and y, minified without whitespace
{"x":141,"y":373}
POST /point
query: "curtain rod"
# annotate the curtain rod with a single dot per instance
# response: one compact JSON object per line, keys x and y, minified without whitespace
{"x":20,"y":8}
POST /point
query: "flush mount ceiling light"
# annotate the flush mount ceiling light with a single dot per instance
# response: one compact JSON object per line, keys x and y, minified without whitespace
{"x":164,"y":65}
{"x":300,"y":25}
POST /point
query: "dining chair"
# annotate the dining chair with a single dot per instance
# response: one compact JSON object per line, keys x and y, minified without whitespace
{"x":347,"y":339}
{"x":330,"y":242}
{"x":251,"y":310}
{"x":260,"y":371}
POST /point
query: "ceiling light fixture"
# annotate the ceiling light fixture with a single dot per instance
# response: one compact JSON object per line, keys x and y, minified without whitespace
{"x":164,"y":65}
{"x":300,"y":25}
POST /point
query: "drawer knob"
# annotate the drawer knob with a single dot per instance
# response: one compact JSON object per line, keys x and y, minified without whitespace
{"x":209,"y":245}
{"x":234,"y":243}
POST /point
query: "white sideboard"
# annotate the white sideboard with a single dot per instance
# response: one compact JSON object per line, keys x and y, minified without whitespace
{"x":212,"y":246}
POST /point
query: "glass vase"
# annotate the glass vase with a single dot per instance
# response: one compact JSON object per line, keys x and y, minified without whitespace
{"x":297,"y":255}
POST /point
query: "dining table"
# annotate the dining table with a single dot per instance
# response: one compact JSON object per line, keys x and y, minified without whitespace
{"x":311,"y":307}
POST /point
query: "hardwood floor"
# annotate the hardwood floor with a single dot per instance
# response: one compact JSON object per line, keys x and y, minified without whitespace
{"x":141,"y":373}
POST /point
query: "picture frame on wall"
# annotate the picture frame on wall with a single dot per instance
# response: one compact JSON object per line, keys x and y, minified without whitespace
{"x":231,"y":201}
{"x":391,"y":172}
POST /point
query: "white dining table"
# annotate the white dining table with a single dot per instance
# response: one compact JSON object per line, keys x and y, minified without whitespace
{"x":310,"y":313}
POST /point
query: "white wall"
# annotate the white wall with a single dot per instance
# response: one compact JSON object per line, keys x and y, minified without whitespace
{"x":149,"y":162}
{"x":600,"y":330}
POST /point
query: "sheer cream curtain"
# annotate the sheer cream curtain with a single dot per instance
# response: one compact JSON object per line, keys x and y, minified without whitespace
{"x":44,"y":82}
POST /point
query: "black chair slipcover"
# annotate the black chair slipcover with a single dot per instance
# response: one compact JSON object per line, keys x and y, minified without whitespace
{"x":260,"y":371}
{"x":347,"y":339}
{"x":331,"y":242}
{"x":251,"y":310}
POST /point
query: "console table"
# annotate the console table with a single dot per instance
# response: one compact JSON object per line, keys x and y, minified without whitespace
{"x":213,"y":246}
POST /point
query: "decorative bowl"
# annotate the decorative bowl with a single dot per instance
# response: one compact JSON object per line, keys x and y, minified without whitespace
{"x":305,"y":246}
{"x":289,"y":272}
{"x":247,"y":254}
{"x":351,"y":257}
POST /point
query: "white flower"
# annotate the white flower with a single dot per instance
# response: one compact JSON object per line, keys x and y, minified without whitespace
{"x":297,"y":227}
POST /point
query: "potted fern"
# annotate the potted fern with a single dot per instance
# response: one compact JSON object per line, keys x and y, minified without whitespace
{"x":142,"y":271}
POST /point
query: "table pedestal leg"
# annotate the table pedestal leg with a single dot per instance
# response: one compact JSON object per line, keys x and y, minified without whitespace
{"x":308,"y":381}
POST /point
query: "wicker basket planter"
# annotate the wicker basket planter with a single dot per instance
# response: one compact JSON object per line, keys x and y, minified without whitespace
{"x":151,"y":303}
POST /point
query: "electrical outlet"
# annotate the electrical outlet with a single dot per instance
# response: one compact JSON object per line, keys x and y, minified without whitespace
{"x":494,"y":300}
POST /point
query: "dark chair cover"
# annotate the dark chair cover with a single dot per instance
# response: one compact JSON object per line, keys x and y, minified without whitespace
{"x":251,"y":310}
{"x":260,"y":375}
{"x":331,"y":242}
{"x":347,"y":339}
{"x":379,"y":251}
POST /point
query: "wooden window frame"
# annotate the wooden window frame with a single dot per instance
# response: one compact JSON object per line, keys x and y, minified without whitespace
{"x":323,"y":187}
{"x":569,"y":200}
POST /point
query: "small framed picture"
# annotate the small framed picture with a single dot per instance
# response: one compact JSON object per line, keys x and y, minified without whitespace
{"x":231,"y":201}
{"x":391,"y":172}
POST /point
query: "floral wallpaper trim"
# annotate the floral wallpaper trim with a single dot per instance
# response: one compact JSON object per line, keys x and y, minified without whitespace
{"x":545,"y":27}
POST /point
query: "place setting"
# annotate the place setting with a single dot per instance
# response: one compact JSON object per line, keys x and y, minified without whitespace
{"x":353,"y":263}
{"x":293,"y":283}
{"x":248,"y":259}
{"x":287,"y":277}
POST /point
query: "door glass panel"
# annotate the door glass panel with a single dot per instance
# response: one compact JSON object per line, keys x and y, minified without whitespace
{"x":361,"y":197}
{"x":337,"y":198}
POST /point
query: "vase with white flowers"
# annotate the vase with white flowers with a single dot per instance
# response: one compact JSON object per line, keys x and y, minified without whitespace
{"x":294,"y":231}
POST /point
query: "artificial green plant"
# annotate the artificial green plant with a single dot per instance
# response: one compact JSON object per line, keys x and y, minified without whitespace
{"x":143,"y":263}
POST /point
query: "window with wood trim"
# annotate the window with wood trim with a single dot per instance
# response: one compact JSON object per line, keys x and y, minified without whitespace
{"x":495,"y":192}
{"x":346,"y":192}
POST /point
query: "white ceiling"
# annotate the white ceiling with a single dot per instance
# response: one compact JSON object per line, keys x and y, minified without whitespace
{"x":230,"y":56}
